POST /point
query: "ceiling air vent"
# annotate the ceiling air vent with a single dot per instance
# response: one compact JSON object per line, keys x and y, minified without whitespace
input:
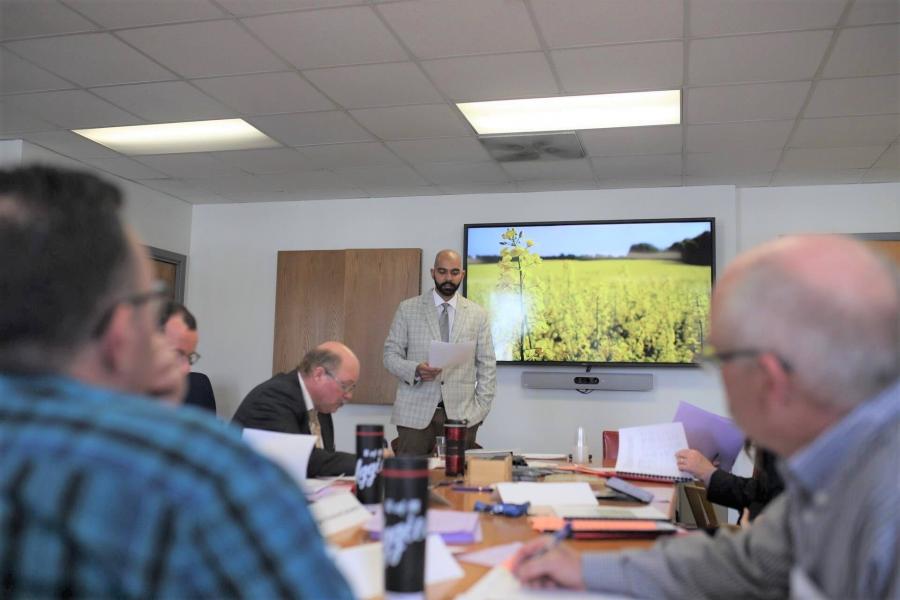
{"x":544,"y":146}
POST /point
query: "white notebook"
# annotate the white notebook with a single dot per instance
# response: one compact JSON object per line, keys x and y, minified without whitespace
{"x":648,"y":452}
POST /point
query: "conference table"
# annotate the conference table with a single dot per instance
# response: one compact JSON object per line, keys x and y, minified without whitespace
{"x":498,"y":529}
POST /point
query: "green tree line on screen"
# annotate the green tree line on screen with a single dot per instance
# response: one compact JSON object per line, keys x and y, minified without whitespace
{"x":603,"y":310}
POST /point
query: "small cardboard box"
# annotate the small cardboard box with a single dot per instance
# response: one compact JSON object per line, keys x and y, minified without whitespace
{"x":488,"y":470}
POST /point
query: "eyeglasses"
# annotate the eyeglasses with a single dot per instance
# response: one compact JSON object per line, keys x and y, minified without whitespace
{"x":346,"y":386}
{"x":192,"y":358}
{"x":710,"y":357}
{"x":158,"y":291}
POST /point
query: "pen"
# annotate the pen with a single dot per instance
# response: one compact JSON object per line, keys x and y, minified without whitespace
{"x":559,"y":535}
{"x":471,"y":488}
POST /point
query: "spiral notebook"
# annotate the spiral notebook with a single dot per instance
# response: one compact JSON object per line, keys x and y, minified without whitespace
{"x":648,"y":452}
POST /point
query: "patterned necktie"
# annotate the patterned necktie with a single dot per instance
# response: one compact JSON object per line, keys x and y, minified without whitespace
{"x":314,"y":427}
{"x":445,"y":322}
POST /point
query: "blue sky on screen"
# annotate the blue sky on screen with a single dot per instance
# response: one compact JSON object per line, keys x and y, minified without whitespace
{"x":607,"y":239}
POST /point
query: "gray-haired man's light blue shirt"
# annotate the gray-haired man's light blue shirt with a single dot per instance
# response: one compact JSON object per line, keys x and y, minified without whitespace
{"x":834,"y":533}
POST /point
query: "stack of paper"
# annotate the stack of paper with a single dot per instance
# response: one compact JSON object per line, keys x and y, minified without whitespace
{"x":363,"y":566}
{"x":338,"y":512}
{"x":546,"y":494}
{"x":454,"y":526}
{"x":288,"y":450}
{"x":648,"y":452}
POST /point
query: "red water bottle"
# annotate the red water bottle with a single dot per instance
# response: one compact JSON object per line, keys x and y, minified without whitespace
{"x":455,"y":432}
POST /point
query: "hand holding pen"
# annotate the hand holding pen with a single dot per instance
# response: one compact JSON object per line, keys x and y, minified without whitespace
{"x":545,"y":563}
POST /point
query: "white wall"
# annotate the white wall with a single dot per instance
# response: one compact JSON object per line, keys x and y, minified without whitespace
{"x":160,"y":220}
{"x":232,"y":292}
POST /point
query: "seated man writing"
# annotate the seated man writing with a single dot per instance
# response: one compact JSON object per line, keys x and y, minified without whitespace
{"x":302,"y":401}
{"x":807,"y":337}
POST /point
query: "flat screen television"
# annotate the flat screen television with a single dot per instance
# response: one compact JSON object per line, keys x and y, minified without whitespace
{"x":608,"y":293}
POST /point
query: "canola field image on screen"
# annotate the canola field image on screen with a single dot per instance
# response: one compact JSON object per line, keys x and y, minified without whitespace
{"x":633,"y":293}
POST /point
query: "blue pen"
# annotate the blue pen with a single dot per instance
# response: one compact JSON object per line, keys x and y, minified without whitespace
{"x":471,"y":488}
{"x":559,"y":535}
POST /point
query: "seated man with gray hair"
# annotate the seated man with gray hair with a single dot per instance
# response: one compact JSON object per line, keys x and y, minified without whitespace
{"x":806,"y":332}
{"x":303,"y":400}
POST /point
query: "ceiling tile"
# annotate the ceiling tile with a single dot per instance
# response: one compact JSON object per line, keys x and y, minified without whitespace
{"x":265,"y":93}
{"x":436,"y":29}
{"x":890,"y":159}
{"x":626,"y":68}
{"x":237,"y":187}
{"x":745,"y":102}
{"x":493,"y":77}
{"x":567,"y":23}
{"x":820,"y":159}
{"x":555,"y":185}
{"x":26,"y":18}
{"x":732,"y":162}
{"x":133,"y":13}
{"x":365,"y":154}
{"x":164,"y":102}
{"x":124,"y":167}
{"x":881,"y":175}
{"x":243,"y":8}
{"x":307,"y":39}
{"x":445,"y":173}
{"x":865,"y":51}
{"x":734,"y":136}
{"x":190,"y":165}
{"x":183,"y":190}
{"x":381,"y":176}
{"x":479,"y":188}
{"x":722,"y":17}
{"x":14,"y":120}
{"x":412,"y":122}
{"x":306,"y":129}
{"x":72,"y":109}
{"x":17,"y":75}
{"x":622,"y":141}
{"x":90,"y":59}
{"x":767,"y":57}
{"x":266,"y":160}
{"x":820,"y":177}
{"x":742,"y":180}
{"x":857,"y":96}
{"x":375,"y":85}
{"x":641,"y":182}
{"x":575,"y":170}
{"x":70,"y":144}
{"x":865,"y":12}
{"x":379,"y":191}
{"x":204,"y":49}
{"x":846,"y":131}
{"x":464,"y":149}
{"x":643,"y":166}
{"x":312,"y":181}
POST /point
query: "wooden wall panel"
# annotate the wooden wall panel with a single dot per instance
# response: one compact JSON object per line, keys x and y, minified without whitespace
{"x":376,"y":282}
{"x":345,"y":295}
{"x":309,"y":304}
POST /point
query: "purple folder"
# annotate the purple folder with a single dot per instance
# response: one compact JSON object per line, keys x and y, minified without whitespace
{"x":454,"y":526}
{"x":714,"y":436}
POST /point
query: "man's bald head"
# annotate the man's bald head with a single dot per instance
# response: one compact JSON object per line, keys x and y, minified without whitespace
{"x":447,"y":255}
{"x":826,"y":304}
{"x":330,"y":372}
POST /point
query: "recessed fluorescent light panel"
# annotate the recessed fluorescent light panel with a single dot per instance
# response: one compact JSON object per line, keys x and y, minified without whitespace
{"x":565,"y":113}
{"x":174,"y":138}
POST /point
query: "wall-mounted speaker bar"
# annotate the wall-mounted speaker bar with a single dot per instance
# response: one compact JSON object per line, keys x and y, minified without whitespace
{"x":556,"y":380}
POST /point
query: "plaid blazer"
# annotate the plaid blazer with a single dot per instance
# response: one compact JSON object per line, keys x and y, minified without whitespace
{"x":467,"y":390}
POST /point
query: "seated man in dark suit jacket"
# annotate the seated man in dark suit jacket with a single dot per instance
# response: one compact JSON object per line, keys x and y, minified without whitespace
{"x":302,"y":400}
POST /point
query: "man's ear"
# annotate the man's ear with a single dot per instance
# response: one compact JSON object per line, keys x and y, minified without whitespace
{"x":776,"y":385}
{"x":116,"y":339}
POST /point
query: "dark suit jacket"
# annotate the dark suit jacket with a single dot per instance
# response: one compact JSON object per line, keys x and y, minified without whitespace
{"x":200,"y":392}
{"x":752,"y":493}
{"x":278,"y":405}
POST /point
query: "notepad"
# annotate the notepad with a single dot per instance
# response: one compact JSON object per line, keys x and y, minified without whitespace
{"x":648,"y":452}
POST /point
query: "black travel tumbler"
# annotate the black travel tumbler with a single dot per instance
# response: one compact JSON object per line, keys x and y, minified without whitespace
{"x":455,"y":432}
{"x":405,"y":523}
{"x":369,"y":456}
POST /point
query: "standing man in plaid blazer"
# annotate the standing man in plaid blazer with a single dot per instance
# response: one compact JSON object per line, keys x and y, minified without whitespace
{"x":428,"y":396}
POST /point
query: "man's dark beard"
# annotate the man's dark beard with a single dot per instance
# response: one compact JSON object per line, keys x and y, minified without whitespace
{"x":448,"y":288}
